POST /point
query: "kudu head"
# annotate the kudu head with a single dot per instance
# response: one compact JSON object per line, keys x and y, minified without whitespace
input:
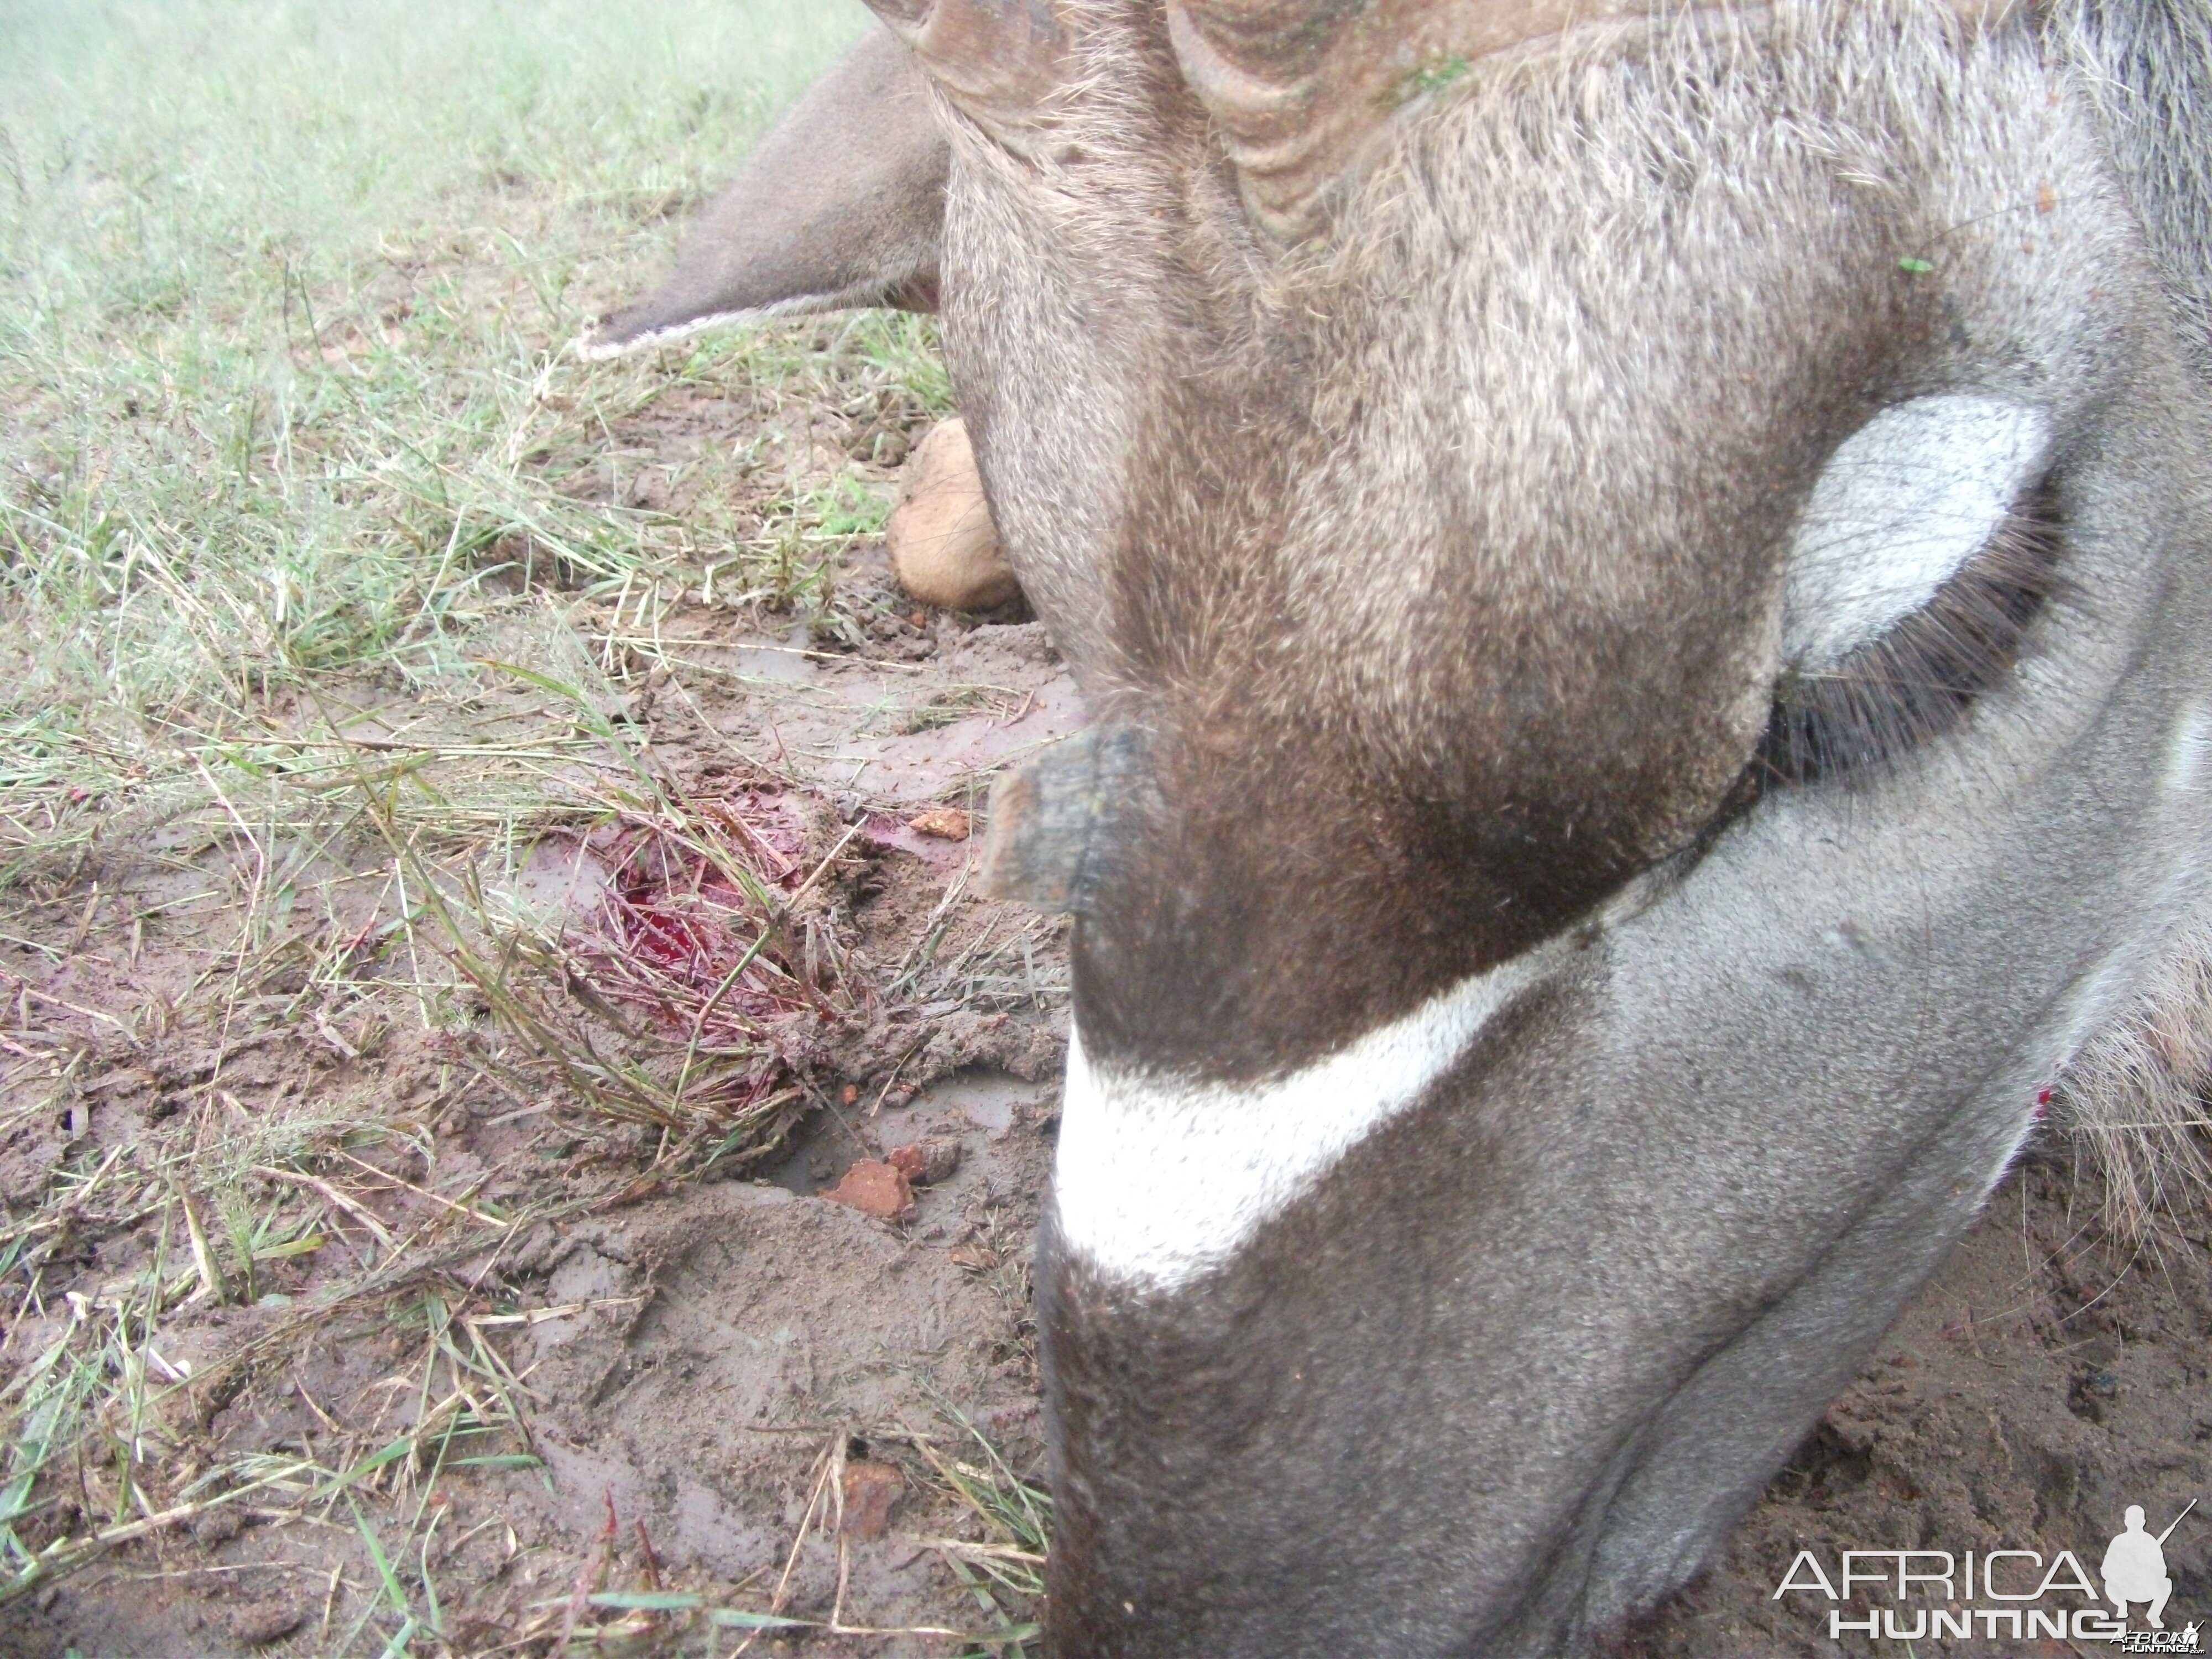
{"x":1641,"y":570}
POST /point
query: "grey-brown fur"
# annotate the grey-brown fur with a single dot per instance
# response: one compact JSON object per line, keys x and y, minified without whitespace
{"x":840,"y":204}
{"x":2138,"y":1090}
{"x":1433,"y":557}
{"x":2157,"y":84}
{"x":1333,"y":620}
{"x":1636,"y":355}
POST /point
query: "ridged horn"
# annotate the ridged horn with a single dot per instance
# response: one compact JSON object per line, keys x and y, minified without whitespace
{"x":1296,"y":88}
{"x":998,"y":60}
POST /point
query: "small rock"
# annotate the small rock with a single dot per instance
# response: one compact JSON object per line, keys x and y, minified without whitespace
{"x":946,"y":822}
{"x":881,"y":1190}
{"x":945,"y":549}
{"x":217,"y":1526}
{"x":871,"y":1489}
{"x":271,"y":1621}
{"x":926,"y":1162}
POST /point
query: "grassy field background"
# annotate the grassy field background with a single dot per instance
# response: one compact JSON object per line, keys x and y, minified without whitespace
{"x":300,"y":487}
{"x":282,"y":293}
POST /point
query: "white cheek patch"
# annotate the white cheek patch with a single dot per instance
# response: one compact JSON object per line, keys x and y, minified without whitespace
{"x":1903,"y":504}
{"x":1160,"y":1180}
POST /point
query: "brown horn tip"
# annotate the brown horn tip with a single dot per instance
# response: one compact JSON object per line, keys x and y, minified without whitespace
{"x":1053,"y":823}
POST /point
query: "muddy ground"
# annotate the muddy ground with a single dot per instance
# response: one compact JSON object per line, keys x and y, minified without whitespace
{"x":707,"y":1364}
{"x":2045,"y":1381}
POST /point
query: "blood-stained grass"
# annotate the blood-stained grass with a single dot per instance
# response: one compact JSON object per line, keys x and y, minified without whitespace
{"x":709,"y":926}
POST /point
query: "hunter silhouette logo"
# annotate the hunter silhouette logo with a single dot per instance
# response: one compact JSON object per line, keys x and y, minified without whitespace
{"x":2005,"y":1592}
{"x":2134,"y":1567}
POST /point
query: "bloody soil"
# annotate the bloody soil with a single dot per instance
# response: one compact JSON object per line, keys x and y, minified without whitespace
{"x":704,"y":1359}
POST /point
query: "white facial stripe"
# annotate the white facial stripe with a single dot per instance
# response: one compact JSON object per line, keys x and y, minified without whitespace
{"x":1159,"y":1180}
{"x":1904,"y":503}
{"x":2185,"y":752}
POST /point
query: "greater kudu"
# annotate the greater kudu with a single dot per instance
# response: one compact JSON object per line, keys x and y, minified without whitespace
{"x":1645,"y":576}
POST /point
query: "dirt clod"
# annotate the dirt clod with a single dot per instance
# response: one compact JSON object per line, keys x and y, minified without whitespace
{"x":946,"y":822}
{"x":881,"y":1190}
{"x":259,"y":1626}
{"x":870,"y":1490}
{"x":926,"y":1162}
{"x":218,"y":1526}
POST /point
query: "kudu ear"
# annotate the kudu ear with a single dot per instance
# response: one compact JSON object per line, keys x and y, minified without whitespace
{"x":842,"y":203}
{"x":1297,"y":89}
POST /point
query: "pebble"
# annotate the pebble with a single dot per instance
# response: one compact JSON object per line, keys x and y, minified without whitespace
{"x":945,"y":549}
{"x":870,"y":1490}
{"x":271,"y":1622}
{"x":926,"y":1162}
{"x":881,"y":1190}
{"x":946,"y":823}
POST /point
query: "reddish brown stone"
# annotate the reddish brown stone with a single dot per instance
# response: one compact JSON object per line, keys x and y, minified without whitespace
{"x":871,"y":1489}
{"x":881,"y":1190}
{"x":926,"y":1162}
{"x":946,"y":822}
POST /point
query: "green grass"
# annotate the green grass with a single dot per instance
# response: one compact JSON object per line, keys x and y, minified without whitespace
{"x":286,"y":409}
{"x":284,"y":291}
{"x":1003,"y":1571}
